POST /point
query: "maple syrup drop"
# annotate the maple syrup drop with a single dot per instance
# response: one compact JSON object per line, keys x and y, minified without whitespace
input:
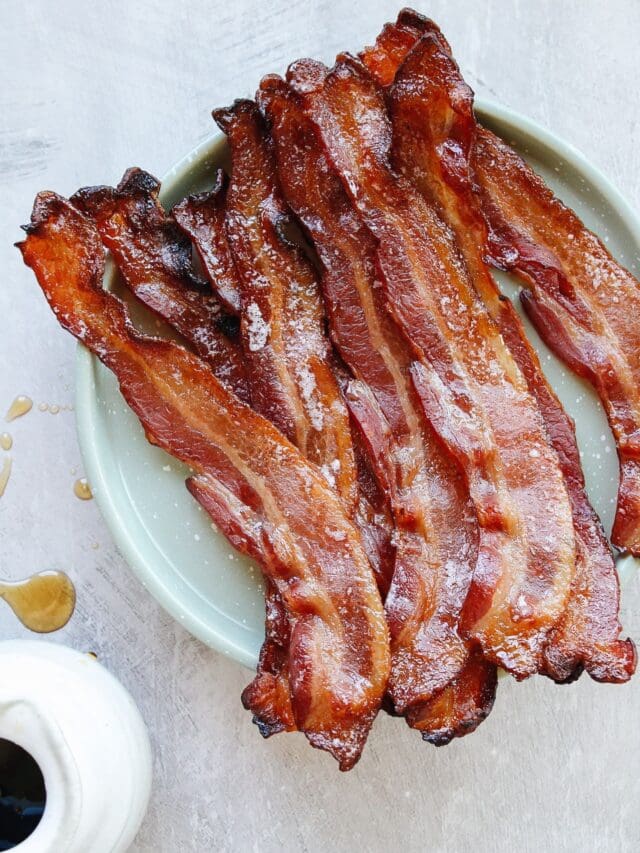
{"x":22,"y":794}
{"x":5,"y":473}
{"x":43,"y":603}
{"x":82,"y":489}
{"x":20,"y":406}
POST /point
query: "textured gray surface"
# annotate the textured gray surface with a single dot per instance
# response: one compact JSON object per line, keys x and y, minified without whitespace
{"x":91,"y":88}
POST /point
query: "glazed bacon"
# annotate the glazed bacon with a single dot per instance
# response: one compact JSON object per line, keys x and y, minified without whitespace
{"x":281,"y":318}
{"x":201,"y":218}
{"x":155,"y":262}
{"x":461,"y":707}
{"x":434,"y":134}
{"x":469,"y":699}
{"x":290,"y":363}
{"x":436,"y":534}
{"x":258,"y":488}
{"x":470,"y":387}
{"x":582,"y":302}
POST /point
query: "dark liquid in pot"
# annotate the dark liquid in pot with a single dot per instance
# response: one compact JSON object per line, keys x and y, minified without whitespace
{"x":22,"y":794}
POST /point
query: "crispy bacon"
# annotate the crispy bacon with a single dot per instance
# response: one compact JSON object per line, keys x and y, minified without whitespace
{"x":459,"y":709}
{"x":469,"y":699}
{"x":434,"y":135}
{"x":201,"y":218}
{"x":258,"y":488}
{"x":291,"y":376}
{"x":282,"y":322}
{"x":582,"y":302}
{"x":469,"y":385}
{"x":155,"y":262}
{"x":436,"y":529}
{"x":394,"y":43}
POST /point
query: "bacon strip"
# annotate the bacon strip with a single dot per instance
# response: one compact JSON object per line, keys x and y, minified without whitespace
{"x":582,"y":302}
{"x":469,"y":699}
{"x":201,"y":218}
{"x":458,"y":710}
{"x":470,"y":387}
{"x":260,"y":490}
{"x":434,"y":134}
{"x":434,"y":125}
{"x":290,"y":370}
{"x":436,"y":528}
{"x":292,"y":381}
{"x":155,"y":262}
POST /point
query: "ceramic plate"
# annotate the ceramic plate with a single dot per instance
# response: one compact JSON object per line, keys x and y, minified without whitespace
{"x":162,"y":532}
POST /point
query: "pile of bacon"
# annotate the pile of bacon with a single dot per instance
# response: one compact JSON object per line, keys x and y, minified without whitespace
{"x":361,"y":410}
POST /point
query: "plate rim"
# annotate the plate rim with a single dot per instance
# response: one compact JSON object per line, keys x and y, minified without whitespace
{"x":87,"y":411}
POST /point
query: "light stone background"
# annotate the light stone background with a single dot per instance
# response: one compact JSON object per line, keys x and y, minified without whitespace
{"x":89,"y":88}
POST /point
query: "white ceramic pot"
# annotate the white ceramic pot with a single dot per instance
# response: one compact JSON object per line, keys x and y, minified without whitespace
{"x":84,"y":731}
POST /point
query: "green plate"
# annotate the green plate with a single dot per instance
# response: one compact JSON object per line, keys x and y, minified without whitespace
{"x":169,"y":542}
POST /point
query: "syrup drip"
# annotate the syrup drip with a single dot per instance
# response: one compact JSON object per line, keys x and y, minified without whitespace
{"x":6,"y":442}
{"x":20,"y":406}
{"x":54,"y":408}
{"x":43,"y":603}
{"x":5,"y":473}
{"x":82,"y":489}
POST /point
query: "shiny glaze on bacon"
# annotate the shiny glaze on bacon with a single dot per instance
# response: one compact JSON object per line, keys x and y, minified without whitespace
{"x":582,"y":302}
{"x":436,"y":532}
{"x":290,"y":364}
{"x":155,"y":262}
{"x":458,"y":710}
{"x":470,"y":387}
{"x":434,"y":134}
{"x":469,"y":699}
{"x":392,"y":45}
{"x":281,"y":318}
{"x":201,"y":218}
{"x":263,"y":494}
